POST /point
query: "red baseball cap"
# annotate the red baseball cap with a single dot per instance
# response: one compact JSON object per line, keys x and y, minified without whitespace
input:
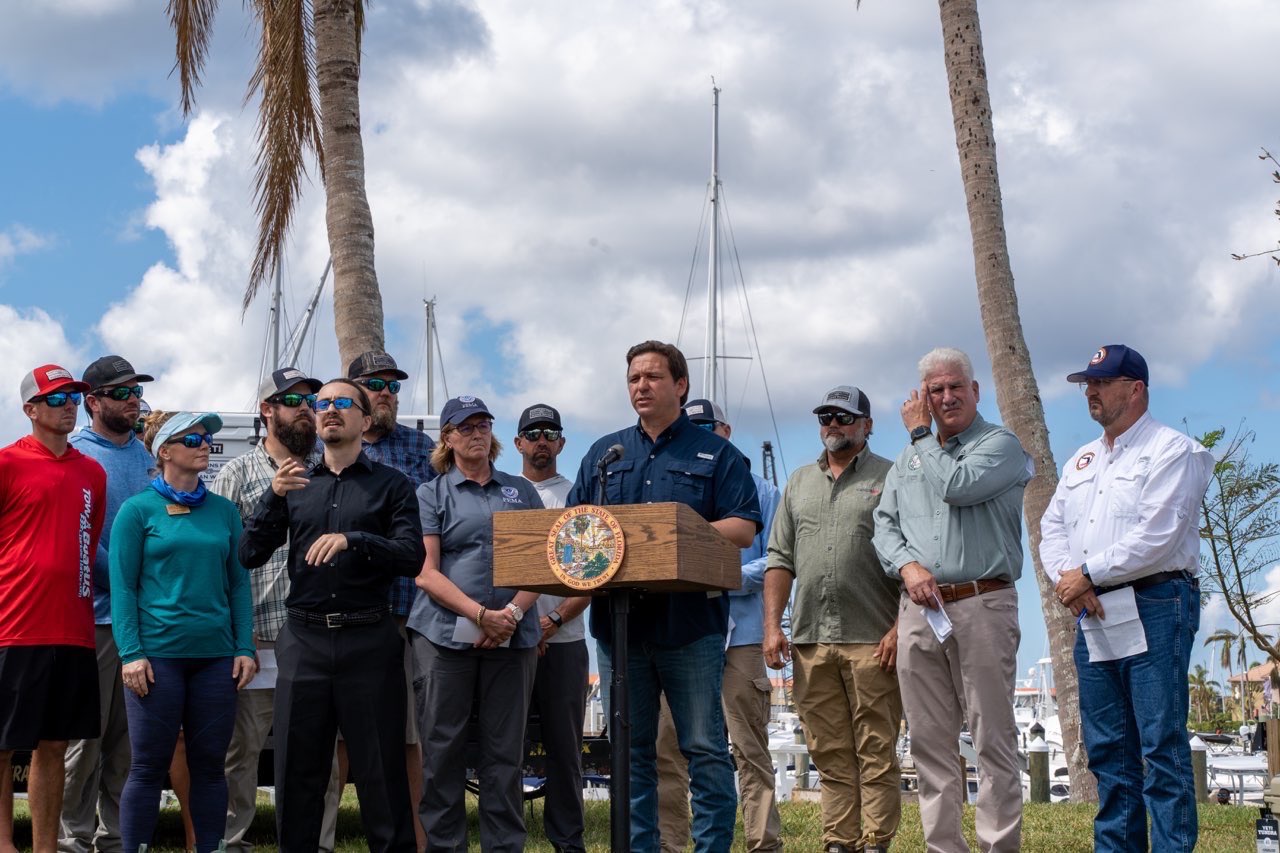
{"x":48,"y":378}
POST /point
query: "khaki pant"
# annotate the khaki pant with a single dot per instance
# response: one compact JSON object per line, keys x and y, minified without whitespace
{"x":970,"y":676}
{"x":745,"y":696}
{"x":851,"y":710}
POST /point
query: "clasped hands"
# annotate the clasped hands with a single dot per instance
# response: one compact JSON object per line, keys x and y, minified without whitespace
{"x":1075,"y":592}
{"x":498,"y":625}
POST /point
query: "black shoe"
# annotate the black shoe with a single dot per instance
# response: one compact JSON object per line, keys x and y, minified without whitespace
{"x":836,"y":847}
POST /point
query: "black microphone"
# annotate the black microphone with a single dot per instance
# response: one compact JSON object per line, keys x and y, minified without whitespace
{"x":613,"y":455}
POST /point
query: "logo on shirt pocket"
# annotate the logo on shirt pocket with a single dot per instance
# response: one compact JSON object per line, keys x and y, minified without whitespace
{"x":511,"y":495}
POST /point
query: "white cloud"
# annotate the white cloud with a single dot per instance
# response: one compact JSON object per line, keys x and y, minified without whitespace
{"x":19,"y":240}
{"x":31,"y":338}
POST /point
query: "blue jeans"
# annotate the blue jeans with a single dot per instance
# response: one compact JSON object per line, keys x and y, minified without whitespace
{"x":690,"y":677}
{"x":197,"y":695}
{"x":1134,"y":711}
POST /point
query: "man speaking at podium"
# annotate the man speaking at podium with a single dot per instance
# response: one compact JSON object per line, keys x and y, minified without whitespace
{"x":676,"y":640}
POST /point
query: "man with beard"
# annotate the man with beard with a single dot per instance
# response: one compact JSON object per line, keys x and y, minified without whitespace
{"x":96,"y":768}
{"x":352,"y":525}
{"x":844,"y":631}
{"x":560,"y":684}
{"x":1123,"y":524}
{"x":285,"y":406}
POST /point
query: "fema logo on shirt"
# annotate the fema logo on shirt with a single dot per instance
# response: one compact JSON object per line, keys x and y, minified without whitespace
{"x":511,"y":495}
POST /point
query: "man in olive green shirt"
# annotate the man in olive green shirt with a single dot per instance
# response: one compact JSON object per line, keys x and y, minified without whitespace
{"x":949,"y":524}
{"x":843,"y":636}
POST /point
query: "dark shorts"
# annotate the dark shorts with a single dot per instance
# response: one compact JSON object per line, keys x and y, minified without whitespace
{"x":47,"y":693}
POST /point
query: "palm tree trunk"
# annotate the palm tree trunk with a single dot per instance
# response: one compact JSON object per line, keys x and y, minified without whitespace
{"x":1016,"y":390}
{"x":357,"y":303}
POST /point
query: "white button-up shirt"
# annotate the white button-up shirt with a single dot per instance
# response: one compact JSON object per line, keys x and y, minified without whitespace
{"x":1129,"y":510}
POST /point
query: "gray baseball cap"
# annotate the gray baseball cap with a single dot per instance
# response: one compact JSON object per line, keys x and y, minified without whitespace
{"x":845,"y":398}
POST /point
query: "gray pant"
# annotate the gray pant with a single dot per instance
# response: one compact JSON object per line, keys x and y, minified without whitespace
{"x":499,"y":681}
{"x":560,"y":695}
{"x":253,"y":724}
{"x":96,"y":769}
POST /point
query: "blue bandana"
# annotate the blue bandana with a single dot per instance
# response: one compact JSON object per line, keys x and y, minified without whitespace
{"x":185,"y":498}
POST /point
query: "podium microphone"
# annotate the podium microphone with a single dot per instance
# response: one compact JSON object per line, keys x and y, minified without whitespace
{"x":612,"y":455}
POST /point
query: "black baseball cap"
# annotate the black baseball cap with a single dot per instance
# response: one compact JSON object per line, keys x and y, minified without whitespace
{"x":1114,"y":361}
{"x":539,"y":413}
{"x":374,"y":361}
{"x":704,"y":412}
{"x":112,"y":370}
{"x":285,"y":378}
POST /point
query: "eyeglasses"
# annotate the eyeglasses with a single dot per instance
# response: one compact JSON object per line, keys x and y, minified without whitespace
{"x":375,"y":385}
{"x":483,"y":427}
{"x":535,"y":434}
{"x":293,"y":401}
{"x":842,"y":418}
{"x":58,"y":399}
{"x":121,"y":393}
{"x":340,"y":403}
{"x":192,"y":440}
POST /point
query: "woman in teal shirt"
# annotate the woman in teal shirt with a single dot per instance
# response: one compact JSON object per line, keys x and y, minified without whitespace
{"x":182,"y":616}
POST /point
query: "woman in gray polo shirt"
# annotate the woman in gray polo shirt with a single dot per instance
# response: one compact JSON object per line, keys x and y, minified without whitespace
{"x":471,"y":639}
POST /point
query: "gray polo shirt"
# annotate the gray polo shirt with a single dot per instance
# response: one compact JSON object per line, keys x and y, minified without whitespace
{"x":460,"y":512}
{"x":957,"y":508}
{"x":822,"y":535}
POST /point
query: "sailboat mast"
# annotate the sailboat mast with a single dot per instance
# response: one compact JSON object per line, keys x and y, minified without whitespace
{"x":430,"y":306}
{"x":275,"y":320}
{"x":711,"y":352}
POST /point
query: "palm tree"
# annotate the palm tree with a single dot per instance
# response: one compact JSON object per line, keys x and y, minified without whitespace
{"x":1203,"y":691}
{"x":308,"y":76}
{"x":1231,"y":640}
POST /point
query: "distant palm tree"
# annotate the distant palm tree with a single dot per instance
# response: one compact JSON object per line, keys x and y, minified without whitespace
{"x":1203,"y":691}
{"x":1231,"y":640}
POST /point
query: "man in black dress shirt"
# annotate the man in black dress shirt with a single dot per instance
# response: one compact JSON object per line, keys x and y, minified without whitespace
{"x":353,"y":526}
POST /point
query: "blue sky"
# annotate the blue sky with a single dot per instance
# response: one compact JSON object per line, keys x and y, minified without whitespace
{"x":542,"y":172}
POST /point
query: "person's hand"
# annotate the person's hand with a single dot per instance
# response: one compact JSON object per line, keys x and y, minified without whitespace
{"x":326,"y":548}
{"x":887,"y":649}
{"x":288,"y":477}
{"x":921,"y":587}
{"x":777,"y":650}
{"x":915,"y":410}
{"x":1071,"y":586}
{"x":137,"y":675}
{"x":549,"y":630}
{"x":243,"y":669}
{"x":498,"y":625}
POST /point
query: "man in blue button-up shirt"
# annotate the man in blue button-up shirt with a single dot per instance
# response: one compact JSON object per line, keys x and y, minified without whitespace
{"x":676,"y":639}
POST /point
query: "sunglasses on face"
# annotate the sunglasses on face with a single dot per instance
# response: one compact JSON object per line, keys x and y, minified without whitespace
{"x":140,"y":426}
{"x":293,"y":401}
{"x":121,"y":393}
{"x":709,"y":426}
{"x":340,"y":403}
{"x":376,"y":385}
{"x":535,"y":434}
{"x":483,"y":427}
{"x":58,"y":399}
{"x":842,"y":418}
{"x":192,"y":440}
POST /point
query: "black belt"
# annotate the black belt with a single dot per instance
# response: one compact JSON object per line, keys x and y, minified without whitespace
{"x":1146,"y":581}
{"x":340,"y":620}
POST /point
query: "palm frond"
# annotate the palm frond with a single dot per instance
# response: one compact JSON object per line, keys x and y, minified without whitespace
{"x":288,"y":126}
{"x":192,"y":22}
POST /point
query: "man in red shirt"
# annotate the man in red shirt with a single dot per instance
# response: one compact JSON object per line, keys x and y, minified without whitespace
{"x":52,"y":500}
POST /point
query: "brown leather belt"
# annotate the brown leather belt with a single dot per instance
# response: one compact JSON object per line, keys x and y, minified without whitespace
{"x":960,"y":591}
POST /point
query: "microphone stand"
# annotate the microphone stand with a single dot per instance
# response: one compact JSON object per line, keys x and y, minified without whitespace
{"x":620,"y":709}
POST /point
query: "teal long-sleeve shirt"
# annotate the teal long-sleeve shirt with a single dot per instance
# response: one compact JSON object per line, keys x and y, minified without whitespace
{"x":177,"y":587}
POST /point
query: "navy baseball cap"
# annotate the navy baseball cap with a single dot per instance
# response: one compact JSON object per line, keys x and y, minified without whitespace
{"x":459,"y":409}
{"x":704,"y":412}
{"x":539,"y":413}
{"x":1114,"y":361}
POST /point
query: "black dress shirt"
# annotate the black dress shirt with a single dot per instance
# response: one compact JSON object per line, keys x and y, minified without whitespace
{"x":372,"y":505}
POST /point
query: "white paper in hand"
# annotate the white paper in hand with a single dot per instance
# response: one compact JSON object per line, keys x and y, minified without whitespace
{"x":938,"y":620}
{"x":466,"y":631}
{"x":266,"y":677}
{"x":1120,"y":633}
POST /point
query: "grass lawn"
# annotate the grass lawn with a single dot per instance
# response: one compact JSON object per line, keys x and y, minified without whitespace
{"x":1059,"y":828}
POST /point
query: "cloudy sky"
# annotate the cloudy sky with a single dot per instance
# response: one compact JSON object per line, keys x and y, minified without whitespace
{"x":541,"y":169}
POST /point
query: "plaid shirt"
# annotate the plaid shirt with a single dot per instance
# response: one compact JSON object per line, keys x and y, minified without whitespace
{"x":409,"y":452}
{"x":243,"y":481}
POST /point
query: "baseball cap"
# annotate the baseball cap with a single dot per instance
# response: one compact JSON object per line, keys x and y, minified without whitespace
{"x":112,"y":370}
{"x":459,"y":409}
{"x":704,"y":412}
{"x":374,"y":361}
{"x":183,"y":421}
{"x":1112,"y":362}
{"x":539,"y":413}
{"x":845,"y":398}
{"x":284,"y":379}
{"x":48,"y":378}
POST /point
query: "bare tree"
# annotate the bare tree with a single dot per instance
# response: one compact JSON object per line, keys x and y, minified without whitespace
{"x":1275,"y":178}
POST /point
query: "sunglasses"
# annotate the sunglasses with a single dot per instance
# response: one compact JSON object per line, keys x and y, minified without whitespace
{"x":293,"y":401}
{"x":842,"y":418}
{"x":535,"y":434}
{"x":376,"y":385}
{"x":121,"y":393}
{"x":709,"y":426}
{"x":192,"y":440}
{"x":483,"y":427}
{"x":339,"y":403}
{"x":140,"y":426}
{"x":58,"y":399}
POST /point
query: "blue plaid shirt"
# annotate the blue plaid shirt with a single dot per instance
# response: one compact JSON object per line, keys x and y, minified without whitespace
{"x":409,"y":452}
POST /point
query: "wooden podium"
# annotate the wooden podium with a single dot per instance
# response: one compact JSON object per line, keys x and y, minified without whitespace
{"x":667,"y":548}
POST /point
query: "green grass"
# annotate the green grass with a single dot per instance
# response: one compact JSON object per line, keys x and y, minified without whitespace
{"x":1059,"y":828}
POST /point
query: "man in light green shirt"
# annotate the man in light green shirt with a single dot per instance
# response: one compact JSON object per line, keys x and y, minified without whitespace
{"x":844,"y":639}
{"x":950,"y":526}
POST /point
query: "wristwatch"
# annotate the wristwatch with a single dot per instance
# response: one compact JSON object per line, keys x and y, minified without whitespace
{"x":515,"y":610}
{"x":556,"y":618}
{"x":919,"y":433}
